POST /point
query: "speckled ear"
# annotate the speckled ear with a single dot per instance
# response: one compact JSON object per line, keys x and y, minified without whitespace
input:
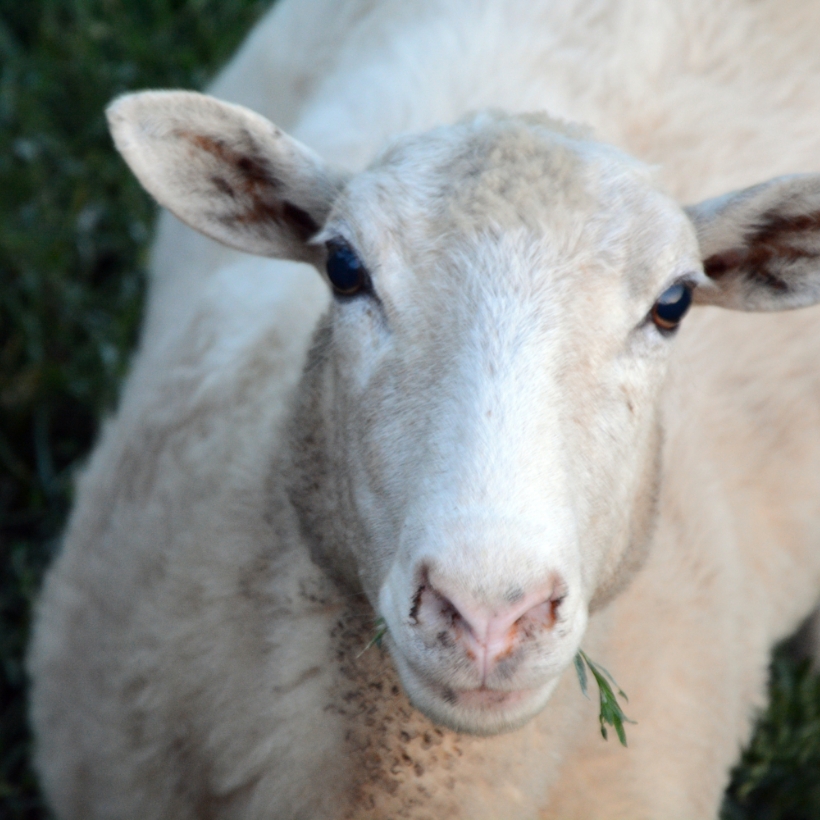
{"x":761,"y":246}
{"x":226,"y":171}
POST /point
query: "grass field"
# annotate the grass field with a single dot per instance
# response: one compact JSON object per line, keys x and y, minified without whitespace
{"x":74,"y":227}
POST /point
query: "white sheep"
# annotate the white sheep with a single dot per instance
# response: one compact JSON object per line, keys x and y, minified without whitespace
{"x":498,"y":441}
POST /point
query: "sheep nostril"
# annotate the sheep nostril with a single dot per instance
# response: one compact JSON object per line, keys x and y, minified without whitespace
{"x":414,"y":609}
{"x":430,"y":605}
{"x":449,"y":613}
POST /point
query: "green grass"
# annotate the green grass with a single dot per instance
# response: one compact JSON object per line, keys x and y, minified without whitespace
{"x":74,"y":227}
{"x":778,"y":777}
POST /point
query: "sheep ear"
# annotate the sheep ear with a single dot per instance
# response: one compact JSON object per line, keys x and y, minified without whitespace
{"x":226,"y":171}
{"x":761,"y":246}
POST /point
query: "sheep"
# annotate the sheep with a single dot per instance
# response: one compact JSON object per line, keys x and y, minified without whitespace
{"x":500,"y":434}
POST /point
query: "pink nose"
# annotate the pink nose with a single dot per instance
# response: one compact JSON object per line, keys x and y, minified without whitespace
{"x":486,"y":635}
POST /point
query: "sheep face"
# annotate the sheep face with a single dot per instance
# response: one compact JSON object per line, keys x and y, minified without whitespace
{"x":486,"y":401}
{"x":476,"y":440}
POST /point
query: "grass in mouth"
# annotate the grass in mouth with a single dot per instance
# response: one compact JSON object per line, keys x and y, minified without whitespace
{"x":610,"y":713}
{"x":379,"y":631}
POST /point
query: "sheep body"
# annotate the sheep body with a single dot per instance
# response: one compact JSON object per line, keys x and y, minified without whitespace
{"x":221,"y":674}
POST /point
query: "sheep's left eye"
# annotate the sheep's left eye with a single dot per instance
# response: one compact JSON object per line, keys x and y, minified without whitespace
{"x":668,"y":311}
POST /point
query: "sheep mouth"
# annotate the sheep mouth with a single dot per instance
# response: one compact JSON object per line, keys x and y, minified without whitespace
{"x":488,"y":699}
{"x":478,"y":710}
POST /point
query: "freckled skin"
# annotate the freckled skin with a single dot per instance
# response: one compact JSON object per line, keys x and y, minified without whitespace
{"x":401,"y":763}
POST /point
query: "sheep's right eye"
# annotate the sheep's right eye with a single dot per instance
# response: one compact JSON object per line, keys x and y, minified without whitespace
{"x":345,"y":270}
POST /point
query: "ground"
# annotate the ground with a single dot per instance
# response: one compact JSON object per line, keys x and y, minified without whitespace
{"x":74,"y":228}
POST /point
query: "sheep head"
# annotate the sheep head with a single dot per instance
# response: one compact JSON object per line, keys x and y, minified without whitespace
{"x":477,"y":438}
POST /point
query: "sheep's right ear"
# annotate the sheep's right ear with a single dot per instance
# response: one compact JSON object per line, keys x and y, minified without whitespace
{"x":226,"y":171}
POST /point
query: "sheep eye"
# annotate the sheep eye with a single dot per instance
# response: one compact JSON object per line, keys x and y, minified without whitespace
{"x":345,"y":270}
{"x":671,"y":307}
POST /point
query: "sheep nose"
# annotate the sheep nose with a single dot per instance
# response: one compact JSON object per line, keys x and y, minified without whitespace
{"x":486,"y":635}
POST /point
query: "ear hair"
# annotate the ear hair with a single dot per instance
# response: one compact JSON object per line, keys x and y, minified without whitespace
{"x":761,"y":246}
{"x":226,"y":171}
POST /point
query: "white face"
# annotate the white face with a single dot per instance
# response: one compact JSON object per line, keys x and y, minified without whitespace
{"x":493,"y":389}
{"x":476,"y":442}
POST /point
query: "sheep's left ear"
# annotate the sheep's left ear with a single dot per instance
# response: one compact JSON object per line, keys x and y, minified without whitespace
{"x":226,"y":171}
{"x":761,"y":246}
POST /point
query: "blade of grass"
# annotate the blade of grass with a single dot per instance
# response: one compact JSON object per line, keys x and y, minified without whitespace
{"x":610,"y":713}
{"x":380,"y":630}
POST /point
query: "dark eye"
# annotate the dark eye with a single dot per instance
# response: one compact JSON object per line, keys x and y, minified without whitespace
{"x":345,"y":270}
{"x":671,"y":307}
